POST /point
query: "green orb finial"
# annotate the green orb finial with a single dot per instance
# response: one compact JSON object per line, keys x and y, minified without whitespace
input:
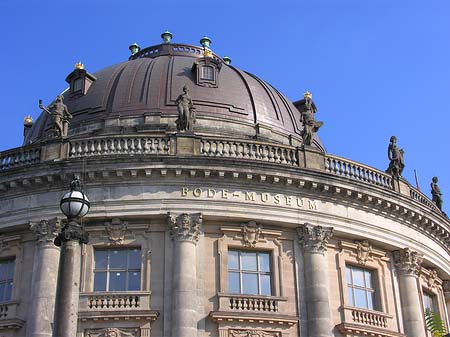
{"x":134,"y":48}
{"x":205,"y":41}
{"x":166,"y":36}
{"x":227,"y":60}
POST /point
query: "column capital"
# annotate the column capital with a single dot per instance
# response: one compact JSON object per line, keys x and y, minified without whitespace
{"x":314,"y":238}
{"x":72,"y":231}
{"x":185,"y":226}
{"x":407,"y":261}
{"x":46,"y":230}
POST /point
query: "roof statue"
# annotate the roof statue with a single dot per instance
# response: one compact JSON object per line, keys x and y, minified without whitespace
{"x":310,"y":125}
{"x":436,"y":193}
{"x":396,"y":157}
{"x":60,"y":116}
{"x":186,"y":111}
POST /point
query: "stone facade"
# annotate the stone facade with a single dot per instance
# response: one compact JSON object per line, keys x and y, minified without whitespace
{"x":338,"y":248}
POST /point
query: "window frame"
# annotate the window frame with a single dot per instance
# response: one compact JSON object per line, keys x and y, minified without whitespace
{"x":108,"y":270}
{"x":258,"y":272}
{"x":350,"y":284}
{"x":8,"y":278}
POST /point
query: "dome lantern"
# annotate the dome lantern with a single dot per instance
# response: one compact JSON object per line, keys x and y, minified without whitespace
{"x":166,"y":36}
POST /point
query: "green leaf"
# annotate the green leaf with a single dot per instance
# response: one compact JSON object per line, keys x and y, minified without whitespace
{"x":434,"y":323}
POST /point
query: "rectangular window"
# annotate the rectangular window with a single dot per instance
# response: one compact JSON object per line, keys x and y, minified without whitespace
{"x":360,"y":287}
{"x":429,"y":302}
{"x":249,"y":273}
{"x":6,"y":279}
{"x":117,"y":269}
{"x":77,"y":84}
{"x":207,"y":73}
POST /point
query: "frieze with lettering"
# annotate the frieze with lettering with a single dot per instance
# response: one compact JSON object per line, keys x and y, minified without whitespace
{"x":249,"y":196}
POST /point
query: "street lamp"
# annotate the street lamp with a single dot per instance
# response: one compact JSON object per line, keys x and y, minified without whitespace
{"x":74,"y":204}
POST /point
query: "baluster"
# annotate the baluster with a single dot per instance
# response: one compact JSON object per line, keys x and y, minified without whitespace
{"x":226,"y":149}
{"x":219,"y":149}
{"x":85,"y":148}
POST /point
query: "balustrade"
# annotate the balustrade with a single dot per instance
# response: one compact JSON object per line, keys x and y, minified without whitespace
{"x":19,"y":157}
{"x":114,"y":301}
{"x":232,"y":302}
{"x":251,"y":151}
{"x":367,"y":317}
{"x":357,"y":171}
{"x":117,"y":146}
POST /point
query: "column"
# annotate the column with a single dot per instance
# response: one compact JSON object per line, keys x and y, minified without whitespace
{"x":184,"y":229}
{"x":68,"y":288}
{"x":314,"y":240}
{"x":45,"y":273}
{"x":407,"y":263}
{"x":446,"y":289}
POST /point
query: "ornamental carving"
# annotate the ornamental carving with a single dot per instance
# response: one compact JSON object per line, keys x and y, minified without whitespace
{"x":251,"y":233}
{"x":407,"y":261}
{"x":46,"y":230}
{"x":432,"y":278}
{"x":116,"y":230}
{"x":185,"y":227}
{"x":364,"y":251}
{"x":314,"y":238}
{"x":252,"y":333}
{"x":112,"y":332}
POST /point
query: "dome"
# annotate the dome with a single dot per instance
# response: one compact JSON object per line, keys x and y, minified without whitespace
{"x":140,"y":94}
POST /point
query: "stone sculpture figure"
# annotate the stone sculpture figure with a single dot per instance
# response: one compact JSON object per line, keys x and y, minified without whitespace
{"x":60,"y":116}
{"x":396,"y":157}
{"x":186,"y":111}
{"x":310,"y":125}
{"x":436,"y":193}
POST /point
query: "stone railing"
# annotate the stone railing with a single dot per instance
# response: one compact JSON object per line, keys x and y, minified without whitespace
{"x":249,"y":150}
{"x":19,"y":156}
{"x":367,"y":317}
{"x":8,"y":310}
{"x":236,"y":302}
{"x":114,"y":301}
{"x":357,"y":171}
{"x":172,"y":49}
{"x":423,"y":199}
{"x":119,"y":145}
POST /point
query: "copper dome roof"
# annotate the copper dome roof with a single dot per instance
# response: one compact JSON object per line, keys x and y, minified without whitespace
{"x":140,"y":95}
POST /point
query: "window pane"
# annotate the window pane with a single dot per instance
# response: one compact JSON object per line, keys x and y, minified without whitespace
{"x":100,"y":281}
{"x":249,"y":284}
{"x":360,"y":298}
{"x":428,"y":301}
{"x":233,"y":283}
{"x":118,"y":259}
{"x":349,"y":275}
{"x":248,"y":261}
{"x":11,"y":270}
{"x":264,"y":262}
{"x":117,"y":281}
{"x":8,"y":291}
{"x":134,"y":259}
{"x":368,"y":276}
{"x":233,"y":262}
{"x":2,"y":292}
{"x":3,"y":271}
{"x":370,"y":300}
{"x":101,"y":259}
{"x":351,"y":300}
{"x":134,"y":281}
{"x":265,"y":285}
{"x":358,"y":277}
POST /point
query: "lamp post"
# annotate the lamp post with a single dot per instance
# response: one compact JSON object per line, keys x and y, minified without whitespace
{"x":74,"y":204}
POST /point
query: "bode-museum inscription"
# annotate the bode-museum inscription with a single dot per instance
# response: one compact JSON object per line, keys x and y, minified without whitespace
{"x":249,"y":196}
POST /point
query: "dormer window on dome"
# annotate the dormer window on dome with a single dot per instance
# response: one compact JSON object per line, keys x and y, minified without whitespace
{"x":207,"y":71}
{"x":79,"y":81}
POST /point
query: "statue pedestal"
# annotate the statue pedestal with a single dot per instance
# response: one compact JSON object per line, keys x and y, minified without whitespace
{"x":311,"y":158}
{"x":187,"y":144}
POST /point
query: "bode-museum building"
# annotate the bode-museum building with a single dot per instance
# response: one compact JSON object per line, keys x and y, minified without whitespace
{"x":174,"y":195}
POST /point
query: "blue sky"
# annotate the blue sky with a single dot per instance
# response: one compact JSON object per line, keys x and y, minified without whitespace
{"x":376,"y":68}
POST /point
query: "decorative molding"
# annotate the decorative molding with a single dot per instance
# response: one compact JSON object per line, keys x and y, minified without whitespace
{"x":251,"y":233}
{"x":407,"y":261}
{"x":112,"y":332}
{"x":252,"y":333}
{"x":314,"y":238}
{"x":432,"y":278}
{"x":46,"y":230}
{"x":185,"y":227}
{"x":364,"y":251}
{"x":10,"y":244}
{"x":116,"y":230}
